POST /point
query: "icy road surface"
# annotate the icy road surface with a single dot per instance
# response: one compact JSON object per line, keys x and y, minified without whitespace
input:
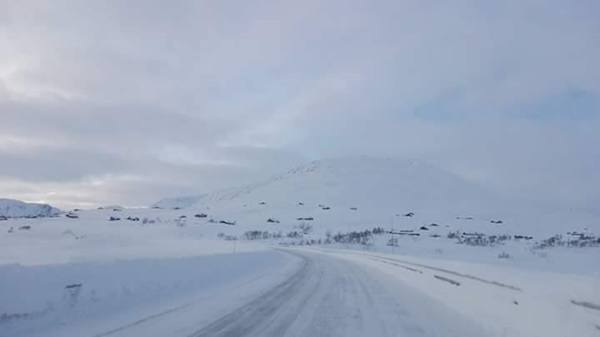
{"x":328,"y":296}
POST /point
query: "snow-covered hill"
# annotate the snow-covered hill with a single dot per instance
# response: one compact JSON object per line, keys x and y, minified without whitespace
{"x":376,"y":183}
{"x":10,"y":208}
{"x":359,"y":191}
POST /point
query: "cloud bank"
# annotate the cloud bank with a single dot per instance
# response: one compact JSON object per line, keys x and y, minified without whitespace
{"x":127,"y":102}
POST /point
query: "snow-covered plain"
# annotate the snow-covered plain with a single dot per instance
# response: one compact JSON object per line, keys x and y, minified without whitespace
{"x":88,"y":274}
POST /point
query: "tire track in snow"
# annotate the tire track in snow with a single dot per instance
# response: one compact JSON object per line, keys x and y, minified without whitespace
{"x":329,"y":296}
{"x":467,"y":276}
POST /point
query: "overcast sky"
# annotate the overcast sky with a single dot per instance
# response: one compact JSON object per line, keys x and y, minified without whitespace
{"x":129,"y":101}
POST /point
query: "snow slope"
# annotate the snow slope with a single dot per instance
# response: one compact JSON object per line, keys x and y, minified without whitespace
{"x":502,"y":300}
{"x":94,"y":299}
{"x":351,"y":181}
{"x":353,"y":192}
{"x":18,"y":209}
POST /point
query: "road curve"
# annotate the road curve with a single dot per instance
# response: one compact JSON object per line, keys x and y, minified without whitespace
{"x":329,"y":296}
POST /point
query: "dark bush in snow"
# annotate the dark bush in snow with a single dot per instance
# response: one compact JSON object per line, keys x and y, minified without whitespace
{"x":578,"y":240}
{"x":293,"y":235}
{"x":363,"y":237}
{"x":453,"y":235}
{"x":257,"y":235}
{"x":271,"y":220}
{"x":201,"y":215}
{"x":227,"y":237}
{"x":479,"y":239}
{"x":378,"y":230}
{"x":305,"y":228}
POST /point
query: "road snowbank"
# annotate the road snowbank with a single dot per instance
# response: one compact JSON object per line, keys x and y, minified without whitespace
{"x":505,"y":301}
{"x":91,"y":298}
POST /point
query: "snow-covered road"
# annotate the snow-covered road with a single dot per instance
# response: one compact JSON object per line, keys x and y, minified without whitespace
{"x":329,"y":296}
{"x":296,"y":292}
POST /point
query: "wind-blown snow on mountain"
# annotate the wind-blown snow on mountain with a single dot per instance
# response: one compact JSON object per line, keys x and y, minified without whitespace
{"x":353,"y":192}
{"x":365,"y":182}
{"x":10,"y":208}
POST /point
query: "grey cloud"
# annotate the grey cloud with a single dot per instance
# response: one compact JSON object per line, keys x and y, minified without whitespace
{"x":212,"y":94}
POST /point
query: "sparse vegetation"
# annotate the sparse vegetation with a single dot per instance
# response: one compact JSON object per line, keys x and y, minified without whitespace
{"x":357,"y":237}
{"x":574,"y":240}
{"x":392,"y":242}
{"x":227,"y":237}
{"x":304,"y":227}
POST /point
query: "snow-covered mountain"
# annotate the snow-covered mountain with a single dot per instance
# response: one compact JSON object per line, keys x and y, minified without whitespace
{"x":354,"y":191}
{"x":366,"y":182}
{"x":10,"y":208}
